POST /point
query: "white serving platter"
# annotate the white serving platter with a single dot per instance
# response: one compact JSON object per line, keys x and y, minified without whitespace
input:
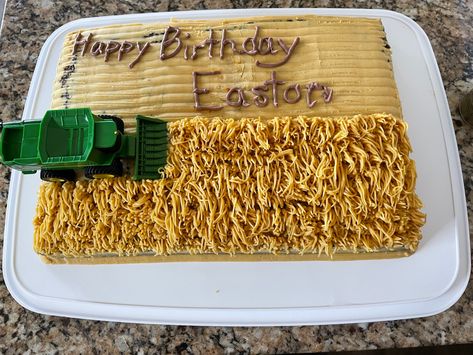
{"x":265,"y":293}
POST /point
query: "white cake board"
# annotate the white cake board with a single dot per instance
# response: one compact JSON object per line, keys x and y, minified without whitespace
{"x":265,"y":293}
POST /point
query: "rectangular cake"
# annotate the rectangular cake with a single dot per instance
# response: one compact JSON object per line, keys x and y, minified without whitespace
{"x":286,"y":142}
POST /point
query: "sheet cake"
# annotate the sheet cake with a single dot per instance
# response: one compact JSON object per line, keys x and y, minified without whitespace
{"x":286,"y":142}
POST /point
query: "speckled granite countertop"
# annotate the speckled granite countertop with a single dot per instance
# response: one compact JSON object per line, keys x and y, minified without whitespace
{"x":449,"y":26}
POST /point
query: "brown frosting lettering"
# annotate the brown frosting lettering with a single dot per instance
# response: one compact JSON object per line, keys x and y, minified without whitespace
{"x":283,"y":45}
{"x":172,"y":44}
{"x":198,"y":91}
{"x":261,"y":99}
{"x":268,"y":41}
{"x":125,"y":47}
{"x":78,"y":42}
{"x":195,"y":47}
{"x":327,"y":94}
{"x":171,"y":35}
{"x":274,"y":83}
{"x":297,"y":90}
{"x":288,"y":52}
{"x":140,"y":54}
{"x":224,"y":41}
{"x":211,"y":41}
{"x":97,"y":48}
{"x":252,"y":40}
{"x":311,"y":87}
{"x":241,"y":98}
{"x":112,"y":47}
{"x":186,"y":56}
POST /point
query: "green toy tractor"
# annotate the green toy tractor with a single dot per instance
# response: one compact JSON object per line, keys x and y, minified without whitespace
{"x":68,"y":141}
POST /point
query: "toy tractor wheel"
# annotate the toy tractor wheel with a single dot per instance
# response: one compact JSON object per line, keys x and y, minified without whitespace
{"x":58,"y":175}
{"x":104,"y":172}
{"x":118,"y":121}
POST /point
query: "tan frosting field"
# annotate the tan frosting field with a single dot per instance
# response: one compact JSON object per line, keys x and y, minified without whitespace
{"x":348,"y":55}
{"x":250,"y":186}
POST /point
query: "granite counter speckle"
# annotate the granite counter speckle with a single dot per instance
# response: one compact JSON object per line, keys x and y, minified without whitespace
{"x":449,"y":26}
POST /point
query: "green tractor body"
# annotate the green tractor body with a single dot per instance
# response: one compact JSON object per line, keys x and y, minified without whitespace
{"x":73,"y":139}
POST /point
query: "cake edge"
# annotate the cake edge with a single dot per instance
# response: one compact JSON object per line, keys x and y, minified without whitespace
{"x":258,"y":257}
